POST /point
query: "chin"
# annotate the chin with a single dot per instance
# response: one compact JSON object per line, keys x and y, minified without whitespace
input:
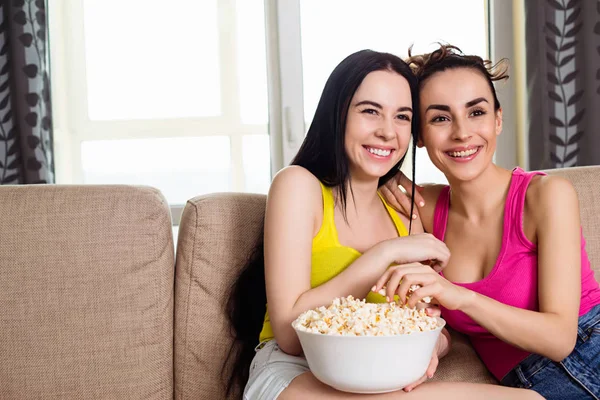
{"x":464,"y":173}
{"x":375,"y":173}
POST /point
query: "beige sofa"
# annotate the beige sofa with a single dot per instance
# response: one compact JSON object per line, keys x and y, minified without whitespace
{"x":93,"y":304}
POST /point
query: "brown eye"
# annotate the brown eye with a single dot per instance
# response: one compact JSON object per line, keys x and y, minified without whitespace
{"x":440,"y":118}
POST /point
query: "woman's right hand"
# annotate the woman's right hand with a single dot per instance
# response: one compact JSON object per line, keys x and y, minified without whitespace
{"x":422,"y":248}
{"x":399,"y":199}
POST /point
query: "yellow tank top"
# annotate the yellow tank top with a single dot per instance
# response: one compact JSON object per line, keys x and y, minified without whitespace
{"x":329,"y":257}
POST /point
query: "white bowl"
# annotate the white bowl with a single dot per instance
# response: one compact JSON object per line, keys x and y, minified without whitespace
{"x":369,"y":364}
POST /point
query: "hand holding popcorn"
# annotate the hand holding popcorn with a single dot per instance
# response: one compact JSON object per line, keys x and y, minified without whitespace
{"x":425,"y":282}
{"x":426,"y":299}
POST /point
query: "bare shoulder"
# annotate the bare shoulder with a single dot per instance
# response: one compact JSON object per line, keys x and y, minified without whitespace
{"x":551,"y":195}
{"x":296,"y":192}
{"x":430,"y":193}
{"x":546,"y":189}
{"x":296,"y":180}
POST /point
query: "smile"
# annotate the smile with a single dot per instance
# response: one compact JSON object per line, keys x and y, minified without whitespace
{"x":464,"y":155}
{"x":379,"y":152}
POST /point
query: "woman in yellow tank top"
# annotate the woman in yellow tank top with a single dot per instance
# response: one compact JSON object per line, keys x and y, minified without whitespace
{"x":328,"y":233}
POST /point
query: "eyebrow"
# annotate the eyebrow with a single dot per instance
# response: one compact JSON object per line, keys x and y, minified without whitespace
{"x":468,"y":104}
{"x":476,"y":101}
{"x":377,"y":105}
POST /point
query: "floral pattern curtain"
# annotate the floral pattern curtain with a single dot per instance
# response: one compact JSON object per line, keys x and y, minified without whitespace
{"x":26,"y":153}
{"x":563,"y":82}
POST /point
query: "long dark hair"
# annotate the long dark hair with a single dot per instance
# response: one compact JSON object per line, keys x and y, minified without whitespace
{"x":323,"y":154}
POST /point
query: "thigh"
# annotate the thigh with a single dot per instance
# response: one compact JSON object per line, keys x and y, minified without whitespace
{"x":583,"y":364}
{"x":306,"y":386}
{"x":271,"y":371}
{"x":575,"y":377}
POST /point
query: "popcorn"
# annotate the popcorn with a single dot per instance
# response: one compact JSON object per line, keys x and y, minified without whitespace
{"x":350,"y":317}
{"x":412,"y":289}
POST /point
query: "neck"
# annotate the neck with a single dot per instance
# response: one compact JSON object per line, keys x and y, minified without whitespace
{"x":361,"y":195}
{"x":482,"y":196}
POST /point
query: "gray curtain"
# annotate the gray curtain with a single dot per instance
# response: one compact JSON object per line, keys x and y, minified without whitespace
{"x":563,"y":82}
{"x":25,"y":110}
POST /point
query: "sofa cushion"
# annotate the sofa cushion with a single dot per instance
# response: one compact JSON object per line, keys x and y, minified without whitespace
{"x":86,"y":293}
{"x":462,"y":364}
{"x":586,"y":181}
{"x":216,"y":234}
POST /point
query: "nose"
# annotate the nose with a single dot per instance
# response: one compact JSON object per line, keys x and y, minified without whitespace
{"x":460,"y":131}
{"x":386,"y":130}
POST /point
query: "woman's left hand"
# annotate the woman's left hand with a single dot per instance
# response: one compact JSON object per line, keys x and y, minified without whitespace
{"x":441,"y":346}
{"x":398,"y":280}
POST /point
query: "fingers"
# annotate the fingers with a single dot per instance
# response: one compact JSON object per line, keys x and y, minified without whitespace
{"x":440,"y":261}
{"x":407,"y":184}
{"x":437,"y":267}
{"x":383,"y":279}
{"x":391,"y":199}
{"x":395,"y":275}
{"x":405,"y":201}
{"x":433,"y":364}
{"x":415,"y":384}
{"x":398,"y":199}
{"x":392,"y":284}
{"x":440,"y":254}
{"x":392,"y":279}
{"x":433,"y":311}
{"x":421,"y":247}
{"x":430,"y":309}
{"x":429,"y":289}
{"x":408,"y":280}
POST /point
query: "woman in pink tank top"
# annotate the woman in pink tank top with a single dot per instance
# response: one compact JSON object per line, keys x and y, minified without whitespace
{"x":519,"y":282}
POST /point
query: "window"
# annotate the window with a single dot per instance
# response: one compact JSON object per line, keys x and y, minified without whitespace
{"x":215,"y":95}
{"x":169,"y":96}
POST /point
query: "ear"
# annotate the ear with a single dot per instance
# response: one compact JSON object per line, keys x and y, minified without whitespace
{"x":499,"y":121}
{"x":420,"y":143}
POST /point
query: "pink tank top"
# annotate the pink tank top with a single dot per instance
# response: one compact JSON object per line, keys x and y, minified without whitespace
{"x":513,"y":279}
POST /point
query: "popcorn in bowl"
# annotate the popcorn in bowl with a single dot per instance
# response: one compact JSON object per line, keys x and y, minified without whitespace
{"x":351,"y":317}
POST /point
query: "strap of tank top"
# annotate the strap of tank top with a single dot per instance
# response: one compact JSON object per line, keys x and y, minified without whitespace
{"x":400,"y":227}
{"x":328,"y":203}
{"x":440,"y":215}
{"x":327,"y":231}
{"x":516,"y":202}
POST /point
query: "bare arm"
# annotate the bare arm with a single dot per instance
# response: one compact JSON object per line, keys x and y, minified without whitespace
{"x":551,"y":332}
{"x":293,"y":217}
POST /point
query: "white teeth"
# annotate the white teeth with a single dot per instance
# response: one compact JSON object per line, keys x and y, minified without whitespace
{"x":466,"y":153}
{"x":379,"y":152}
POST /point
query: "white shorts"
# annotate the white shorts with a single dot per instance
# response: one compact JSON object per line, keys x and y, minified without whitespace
{"x":272,"y":371}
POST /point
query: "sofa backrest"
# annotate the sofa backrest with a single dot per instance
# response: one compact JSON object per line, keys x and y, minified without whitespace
{"x":216,"y":235}
{"x":217,"y":232}
{"x":86,"y":293}
{"x":586,"y":181}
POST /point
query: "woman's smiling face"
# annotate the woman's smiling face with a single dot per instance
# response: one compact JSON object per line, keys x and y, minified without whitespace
{"x":459,"y":125}
{"x":378,"y":126}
